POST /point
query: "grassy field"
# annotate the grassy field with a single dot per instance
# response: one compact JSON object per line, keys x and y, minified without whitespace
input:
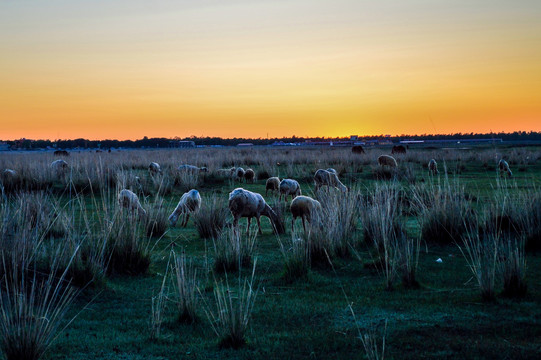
{"x":335,"y":309}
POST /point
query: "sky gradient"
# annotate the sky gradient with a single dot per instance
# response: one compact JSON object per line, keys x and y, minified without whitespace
{"x":128,"y":69}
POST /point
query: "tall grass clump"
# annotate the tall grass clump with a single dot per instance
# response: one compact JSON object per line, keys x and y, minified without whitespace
{"x":385,"y":234}
{"x":158,"y":305}
{"x":296,"y":257}
{"x":444,"y":210}
{"x":233,"y":251}
{"x":481,"y":254}
{"x":185,"y":285}
{"x":185,"y":180}
{"x":231,"y":314}
{"x":211,"y":217}
{"x":156,"y":221}
{"x":337,"y":221}
{"x":513,"y":267}
{"x":33,"y":308}
{"x":129,"y":252}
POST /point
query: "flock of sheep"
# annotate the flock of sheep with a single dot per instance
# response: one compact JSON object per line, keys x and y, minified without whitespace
{"x":244,"y":203}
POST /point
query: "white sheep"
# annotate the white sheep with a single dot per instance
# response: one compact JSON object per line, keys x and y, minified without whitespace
{"x":304,"y":207}
{"x":59,"y":166}
{"x":189,"y":203}
{"x":289,"y":187}
{"x":191,"y":168}
{"x":249,"y":175}
{"x":328,"y":178}
{"x":504,"y":167}
{"x":433,"y":167}
{"x":129,"y":200}
{"x":239,"y":174}
{"x":272,"y":184}
{"x":244,"y":203}
{"x":387,"y":160}
{"x":154,"y":168}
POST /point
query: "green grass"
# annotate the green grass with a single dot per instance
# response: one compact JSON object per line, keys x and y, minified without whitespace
{"x":310,"y":318}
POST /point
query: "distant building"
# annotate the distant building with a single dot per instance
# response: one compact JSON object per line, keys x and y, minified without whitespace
{"x":245,"y":144}
{"x":4,"y":146}
{"x":183,"y":144}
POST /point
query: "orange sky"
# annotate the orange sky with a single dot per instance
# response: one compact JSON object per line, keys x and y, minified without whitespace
{"x":128,"y":69}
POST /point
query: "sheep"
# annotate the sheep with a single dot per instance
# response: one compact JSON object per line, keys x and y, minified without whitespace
{"x":304,"y":207}
{"x":328,"y":177}
{"x":61,"y":153}
{"x":249,"y":175}
{"x":59,"y":166}
{"x":154,"y":168}
{"x":357,"y":149}
{"x":9,"y":173}
{"x":504,"y":167}
{"x":289,"y":187}
{"x":191,"y":168}
{"x":398,"y":149}
{"x":129,"y":200}
{"x":432,"y":167}
{"x":387,"y":160}
{"x":244,"y":203}
{"x":190,"y":202}
{"x":239,"y":174}
{"x":273,"y":183}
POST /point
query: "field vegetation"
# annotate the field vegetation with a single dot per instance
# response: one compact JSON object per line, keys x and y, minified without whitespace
{"x":403,"y":265}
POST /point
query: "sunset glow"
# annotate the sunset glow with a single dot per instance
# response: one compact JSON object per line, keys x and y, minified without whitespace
{"x":128,"y":69}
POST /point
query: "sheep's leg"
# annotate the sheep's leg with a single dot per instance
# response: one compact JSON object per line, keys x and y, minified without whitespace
{"x":292,"y":224}
{"x":186,"y":218}
{"x":266,"y":192}
{"x":259,"y":225}
{"x":248,"y":226}
{"x":303,"y":224}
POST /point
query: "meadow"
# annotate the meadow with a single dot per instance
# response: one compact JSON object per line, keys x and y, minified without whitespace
{"x":404,"y":265}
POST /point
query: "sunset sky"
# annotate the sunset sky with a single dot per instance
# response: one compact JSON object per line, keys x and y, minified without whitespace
{"x":128,"y":69}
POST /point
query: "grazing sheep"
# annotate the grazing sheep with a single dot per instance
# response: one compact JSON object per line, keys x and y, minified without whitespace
{"x":190,"y":202}
{"x":273,"y":184}
{"x":289,"y":187}
{"x":239,"y":174}
{"x":10,"y":173}
{"x":432,"y":167}
{"x":504,"y":167}
{"x":154,"y":168}
{"x":244,"y":203}
{"x":59,"y":166}
{"x":328,"y":177}
{"x":61,"y":153}
{"x":357,"y":149}
{"x":387,"y":160}
{"x":191,"y":168}
{"x":304,"y":207}
{"x":249,"y":175}
{"x":129,"y":200}
{"x":398,"y":149}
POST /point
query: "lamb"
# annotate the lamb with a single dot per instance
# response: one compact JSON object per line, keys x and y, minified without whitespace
{"x":387,"y":160}
{"x":289,"y":187}
{"x":244,"y":203}
{"x":304,"y":207}
{"x":328,"y":177}
{"x":192,"y":168}
{"x":432,"y":167}
{"x":249,"y":175}
{"x":504,"y":167}
{"x":239,"y":174}
{"x":190,"y":202}
{"x":129,"y":200}
{"x":154,"y":168}
{"x":59,"y":166}
{"x":273,"y":183}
